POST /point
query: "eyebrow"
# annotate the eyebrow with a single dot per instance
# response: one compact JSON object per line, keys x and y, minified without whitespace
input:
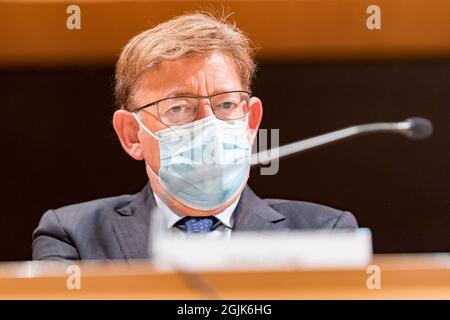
{"x":178,"y":93}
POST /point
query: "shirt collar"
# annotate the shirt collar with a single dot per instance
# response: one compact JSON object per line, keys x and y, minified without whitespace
{"x":170,"y":217}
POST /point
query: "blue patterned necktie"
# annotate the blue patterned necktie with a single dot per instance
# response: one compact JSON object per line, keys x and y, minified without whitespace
{"x":198,"y":224}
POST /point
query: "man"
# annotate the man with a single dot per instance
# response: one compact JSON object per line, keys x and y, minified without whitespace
{"x":182,"y":89}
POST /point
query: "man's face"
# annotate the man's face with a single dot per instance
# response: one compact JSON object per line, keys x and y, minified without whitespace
{"x":197,"y":75}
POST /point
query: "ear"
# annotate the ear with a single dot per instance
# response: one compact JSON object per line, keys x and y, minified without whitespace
{"x":254,"y":117}
{"x":127,"y":129}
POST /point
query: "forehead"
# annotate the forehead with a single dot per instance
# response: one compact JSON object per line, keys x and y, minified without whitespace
{"x":194,"y":75}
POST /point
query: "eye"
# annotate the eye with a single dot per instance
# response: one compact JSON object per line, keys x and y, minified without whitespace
{"x":227,"y":105}
{"x":176,"y":109}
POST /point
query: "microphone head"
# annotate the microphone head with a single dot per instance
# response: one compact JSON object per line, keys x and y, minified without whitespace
{"x":421,"y":128}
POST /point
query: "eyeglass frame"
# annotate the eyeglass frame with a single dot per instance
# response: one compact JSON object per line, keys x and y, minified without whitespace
{"x":151,"y":104}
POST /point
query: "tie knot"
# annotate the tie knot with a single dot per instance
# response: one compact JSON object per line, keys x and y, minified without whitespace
{"x":198,"y":224}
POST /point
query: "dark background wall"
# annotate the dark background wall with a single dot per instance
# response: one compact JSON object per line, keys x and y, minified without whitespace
{"x":58,"y":146}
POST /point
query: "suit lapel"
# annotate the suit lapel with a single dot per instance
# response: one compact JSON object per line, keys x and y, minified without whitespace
{"x":131,"y":226}
{"x":253,"y":214}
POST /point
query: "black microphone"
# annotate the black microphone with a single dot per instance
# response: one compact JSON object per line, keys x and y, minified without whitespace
{"x":415,"y":128}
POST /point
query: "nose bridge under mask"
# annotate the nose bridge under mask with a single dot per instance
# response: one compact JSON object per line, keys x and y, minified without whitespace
{"x":191,"y":126}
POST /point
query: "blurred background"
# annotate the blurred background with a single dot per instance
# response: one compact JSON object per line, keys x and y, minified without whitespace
{"x":320,"y":69}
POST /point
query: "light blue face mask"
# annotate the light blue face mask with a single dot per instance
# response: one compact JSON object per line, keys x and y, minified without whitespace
{"x":205,"y":163}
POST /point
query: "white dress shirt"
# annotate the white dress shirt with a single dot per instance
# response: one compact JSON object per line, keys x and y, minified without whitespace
{"x":226,"y":218}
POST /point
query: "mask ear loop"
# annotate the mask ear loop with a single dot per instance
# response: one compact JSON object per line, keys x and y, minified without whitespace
{"x":138,"y":119}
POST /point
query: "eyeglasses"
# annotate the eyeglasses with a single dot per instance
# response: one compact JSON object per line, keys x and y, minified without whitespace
{"x":175,"y":111}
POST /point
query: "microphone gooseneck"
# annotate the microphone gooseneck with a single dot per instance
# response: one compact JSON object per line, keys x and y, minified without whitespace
{"x":415,"y":128}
